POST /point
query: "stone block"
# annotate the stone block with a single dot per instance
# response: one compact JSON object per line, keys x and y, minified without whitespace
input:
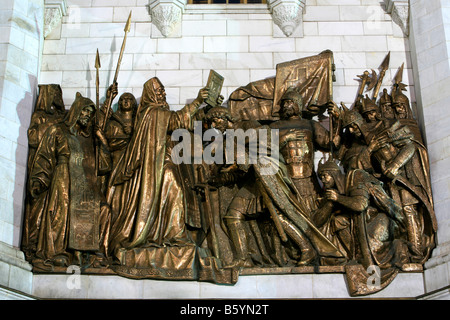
{"x":113,"y":3}
{"x":156,"y":61}
{"x":143,"y":29}
{"x":48,"y":77}
{"x":109,"y":30}
{"x":80,"y":3}
{"x":54,"y":46}
{"x":258,"y":74}
{"x":378,"y":27}
{"x":362,"y":13}
{"x":227,"y":44}
{"x":280,"y":57}
{"x":339,"y":28}
{"x":338,"y":2}
{"x":193,"y":78}
{"x":249,"y":60}
{"x":139,"y":45}
{"x":315,"y":45}
{"x":158,"y":289}
{"x":79,"y":62}
{"x":203,"y":61}
{"x":364,"y":43}
{"x":249,"y":27}
{"x":310,"y":29}
{"x":75,"y":30}
{"x":437,"y":277}
{"x":269,"y":44}
{"x":350,"y":60}
{"x":180,"y":45}
{"x":204,"y":28}
{"x":321,"y":13}
{"x":20,"y":279}
{"x":398,"y":44}
{"x":138,"y":14}
{"x":91,"y":45}
{"x":71,"y":286}
{"x":237,"y":77}
{"x":113,"y":287}
{"x":90,"y":15}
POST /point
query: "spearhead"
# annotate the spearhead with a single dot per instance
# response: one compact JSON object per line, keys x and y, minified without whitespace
{"x":97,"y":61}
{"x":385,"y":64}
{"x":399,"y":76}
{"x":128,"y":25}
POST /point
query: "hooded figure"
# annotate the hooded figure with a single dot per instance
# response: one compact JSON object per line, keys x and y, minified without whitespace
{"x":49,"y":110}
{"x":150,"y":237}
{"x":331,"y":219}
{"x":63,"y":181}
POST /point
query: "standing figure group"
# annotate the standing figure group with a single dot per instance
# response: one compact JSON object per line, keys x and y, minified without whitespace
{"x":105,"y":193}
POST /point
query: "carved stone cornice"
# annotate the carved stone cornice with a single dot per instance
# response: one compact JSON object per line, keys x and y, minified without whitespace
{"x":287,"y":14}
{"x":166,"y":14}
{"x":54,"y":10}
{"x":399,"y":11}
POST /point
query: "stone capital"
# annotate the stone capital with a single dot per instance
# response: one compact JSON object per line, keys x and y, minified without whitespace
{"x":167,"y":14}
{"x":399,"y":11}
{"x":287,"y":14}
{"x":54,"y":10}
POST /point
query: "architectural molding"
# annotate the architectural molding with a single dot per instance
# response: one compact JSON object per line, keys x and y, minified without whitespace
{"x":287,"y":14}
{"x":399,"y":11}
{"x":167,"y":14}
{"x":54,"y":10}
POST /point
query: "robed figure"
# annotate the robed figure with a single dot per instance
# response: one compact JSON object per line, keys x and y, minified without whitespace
{"x":63,"y":181}
{"x":150,"y":238}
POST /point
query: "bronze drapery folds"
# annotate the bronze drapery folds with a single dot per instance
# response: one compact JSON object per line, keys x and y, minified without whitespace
{"x":106,"y":193}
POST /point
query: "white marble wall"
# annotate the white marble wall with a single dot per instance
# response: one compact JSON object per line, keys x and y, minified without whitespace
{"x":288,"y":286}
{"x":241,"y":43}
{"x":430,"y":35}
{"x":21,"y":23}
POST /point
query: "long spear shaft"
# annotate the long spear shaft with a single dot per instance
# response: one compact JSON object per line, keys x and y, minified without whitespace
{"x":122,"y":50}
{"x":126,"y":30}
{"x":97,"y":80}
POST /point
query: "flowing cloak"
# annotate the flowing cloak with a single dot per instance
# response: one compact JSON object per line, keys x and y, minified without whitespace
{"x":150,"y":238}
{"x":73,"y":217}
{"x":44,"y":116}
{"x":378,"y":236}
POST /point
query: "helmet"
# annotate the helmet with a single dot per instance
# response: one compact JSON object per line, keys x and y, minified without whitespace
{"x":293,"y":94}
{"x":368,"y":105}
{"x":327,"y":166}
{"x":351,"y":116}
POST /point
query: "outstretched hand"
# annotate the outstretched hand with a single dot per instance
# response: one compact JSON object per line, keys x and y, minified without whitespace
{"x":202,"y":95}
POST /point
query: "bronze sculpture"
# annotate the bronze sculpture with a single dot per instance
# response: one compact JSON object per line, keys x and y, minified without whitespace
{"x":368,"y":205}
{"x":63,"y":176}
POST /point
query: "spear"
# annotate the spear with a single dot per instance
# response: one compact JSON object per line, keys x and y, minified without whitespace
{"x":126,"y":30}
{"x":384,"y":66}
{"x":97,"y":79}
{"x":399,"y":78}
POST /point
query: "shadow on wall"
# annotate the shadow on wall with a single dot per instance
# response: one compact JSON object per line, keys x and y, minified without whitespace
{"x":24,"y":111}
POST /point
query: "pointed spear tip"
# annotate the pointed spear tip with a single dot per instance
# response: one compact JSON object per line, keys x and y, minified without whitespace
{"x":97,"y":61}
{"x":128,"y":25}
